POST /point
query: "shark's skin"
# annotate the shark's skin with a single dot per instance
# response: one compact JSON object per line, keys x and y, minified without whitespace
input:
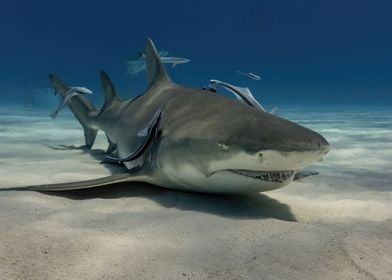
{"x":202,"y":142}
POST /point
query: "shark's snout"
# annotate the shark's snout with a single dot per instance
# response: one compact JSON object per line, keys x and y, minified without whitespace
{"x":285,"y":136}
{"x":291,"y":147}
{"x":315,"y":142}
{"x":323,"y":145}
{"x":311,"y":142}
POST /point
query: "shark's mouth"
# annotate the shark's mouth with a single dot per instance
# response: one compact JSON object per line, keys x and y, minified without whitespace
{"x":269,"y":176}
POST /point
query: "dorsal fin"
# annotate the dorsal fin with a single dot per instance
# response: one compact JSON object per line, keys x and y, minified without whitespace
{"x":156,"y":72}
{"x":108,"y":89}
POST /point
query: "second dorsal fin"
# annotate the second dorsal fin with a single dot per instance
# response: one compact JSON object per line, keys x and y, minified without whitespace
{"x":108,"y":90}
{"x":156,"y":72}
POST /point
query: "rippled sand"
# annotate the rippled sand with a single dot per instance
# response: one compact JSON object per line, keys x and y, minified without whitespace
{"x":336,"y":225}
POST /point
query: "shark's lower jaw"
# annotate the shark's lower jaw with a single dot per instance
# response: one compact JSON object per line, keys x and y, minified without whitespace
{"x":268,"y":176}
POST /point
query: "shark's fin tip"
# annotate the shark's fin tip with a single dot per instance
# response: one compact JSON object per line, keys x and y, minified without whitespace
{"x":155,"y":70}
{"x":108,"y":89}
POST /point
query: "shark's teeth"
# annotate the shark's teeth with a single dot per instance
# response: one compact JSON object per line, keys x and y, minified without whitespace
{"x":270,"y":176}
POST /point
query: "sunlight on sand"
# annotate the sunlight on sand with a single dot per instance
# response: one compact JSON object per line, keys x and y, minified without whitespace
{"x":336,"y":225}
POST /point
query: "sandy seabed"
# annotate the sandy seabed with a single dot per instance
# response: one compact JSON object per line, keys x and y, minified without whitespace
{"x":336,"y":225}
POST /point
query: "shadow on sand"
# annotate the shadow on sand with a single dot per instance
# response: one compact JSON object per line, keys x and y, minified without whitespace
{"x":253,"y":206}
{"x":98,"y":154}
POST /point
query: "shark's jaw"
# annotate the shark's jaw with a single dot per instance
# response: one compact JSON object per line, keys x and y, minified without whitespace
{"x":189,"y":177}
{"x":240,"y":173}
{"x":248,"y":181}
{"x":268,"y":176}
{"x":274,"y":170}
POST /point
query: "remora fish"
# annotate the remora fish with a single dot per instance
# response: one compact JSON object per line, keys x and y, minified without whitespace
{"x":195,"y":140}
{"x":170,"y":59}
{"x":242,"y":94}
{"x":250,"y":75}
{"x":73,"y":91}
{"x":138,"y":64}
{"x":174,"y":60}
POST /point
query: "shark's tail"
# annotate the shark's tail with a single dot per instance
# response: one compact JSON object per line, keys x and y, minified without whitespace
{"x":82,"y":109}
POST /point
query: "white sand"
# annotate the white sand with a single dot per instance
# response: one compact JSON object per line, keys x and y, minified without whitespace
{"x":336,"y":225}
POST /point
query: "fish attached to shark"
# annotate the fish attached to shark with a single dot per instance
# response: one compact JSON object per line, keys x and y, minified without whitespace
{"x":189,"y":139}
{"x":242,"y":94}
{"x":67,"y":97}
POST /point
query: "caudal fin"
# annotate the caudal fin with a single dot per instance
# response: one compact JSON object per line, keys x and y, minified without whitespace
{"x":82,"y":109}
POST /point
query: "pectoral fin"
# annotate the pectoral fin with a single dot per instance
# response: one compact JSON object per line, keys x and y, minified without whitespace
{"x":117,"y":178}
{"x":111,"y":145}
{"x":148,"y":135}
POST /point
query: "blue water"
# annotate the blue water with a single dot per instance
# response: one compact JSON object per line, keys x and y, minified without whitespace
{"x":307,"y":52}
{"x":326,"y":65}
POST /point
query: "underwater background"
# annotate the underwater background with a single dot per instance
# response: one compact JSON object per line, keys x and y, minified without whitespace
{"x":307,"y":52}
{"x":326,"y":65}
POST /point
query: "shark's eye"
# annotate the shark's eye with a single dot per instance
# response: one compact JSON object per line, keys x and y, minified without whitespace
{"x":224,"y":146}
{"x":260,"y":155}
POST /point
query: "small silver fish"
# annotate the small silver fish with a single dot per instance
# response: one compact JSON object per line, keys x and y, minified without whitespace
{"x":242,"y":94}
{"x":170,"y":59}
{"x":67,"y":98}
{"x":250,"y":75}
{"x":174,"y":60}
{"x":138,"y":64}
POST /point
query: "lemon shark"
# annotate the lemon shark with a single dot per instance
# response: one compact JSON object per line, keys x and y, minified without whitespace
{"x":189,"y":139}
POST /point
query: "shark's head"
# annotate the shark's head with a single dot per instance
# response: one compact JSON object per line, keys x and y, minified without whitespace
{"x":225,"y":146}
{"x":211,"y":143}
